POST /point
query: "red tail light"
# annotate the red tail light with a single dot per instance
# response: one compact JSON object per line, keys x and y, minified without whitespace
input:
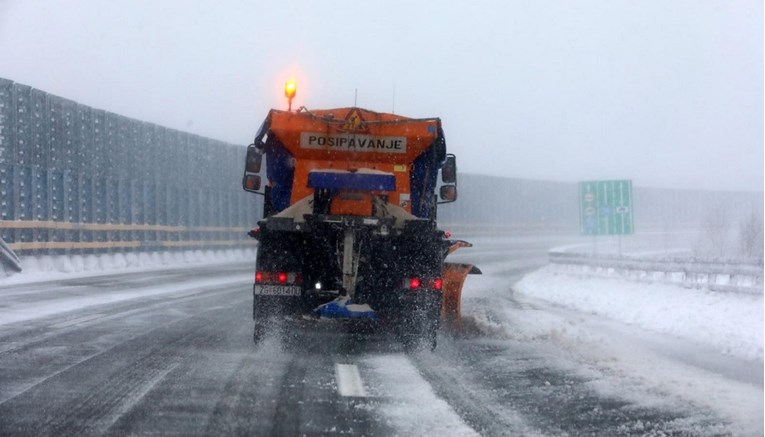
{"x":425,"y":284}
{"x":265,"y":277}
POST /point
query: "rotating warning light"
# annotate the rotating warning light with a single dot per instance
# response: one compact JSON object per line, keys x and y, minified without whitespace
{"x":290,"y":88}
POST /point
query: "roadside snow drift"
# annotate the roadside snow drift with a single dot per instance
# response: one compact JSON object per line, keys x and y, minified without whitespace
{"x":54,"y":267}
{"x":729,"y":322}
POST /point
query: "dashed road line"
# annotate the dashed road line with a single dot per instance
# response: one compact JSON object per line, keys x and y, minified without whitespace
{"x":349,"y":381}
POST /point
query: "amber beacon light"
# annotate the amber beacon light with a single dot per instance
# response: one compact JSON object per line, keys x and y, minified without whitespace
{"x":290,"y":88}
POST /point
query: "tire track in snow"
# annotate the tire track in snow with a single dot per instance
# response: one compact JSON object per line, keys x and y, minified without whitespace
{"x":7,"y":393}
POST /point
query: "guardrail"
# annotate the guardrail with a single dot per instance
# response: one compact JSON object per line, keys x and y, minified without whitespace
{"x":716,"y":274}
{"x":66,"y":236}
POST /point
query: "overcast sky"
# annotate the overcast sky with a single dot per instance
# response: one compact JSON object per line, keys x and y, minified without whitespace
{"x":668,"y":93}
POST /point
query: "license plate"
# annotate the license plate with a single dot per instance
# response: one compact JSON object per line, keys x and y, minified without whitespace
{"x":277,"y":290}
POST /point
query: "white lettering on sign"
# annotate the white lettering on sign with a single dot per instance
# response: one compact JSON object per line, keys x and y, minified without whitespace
{"x":352,"y":143}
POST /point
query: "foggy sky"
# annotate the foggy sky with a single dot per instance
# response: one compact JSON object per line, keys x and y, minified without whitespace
{"x":666,"y":93}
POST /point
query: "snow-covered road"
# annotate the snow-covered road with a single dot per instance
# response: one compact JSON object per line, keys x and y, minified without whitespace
{"x":636,"y":349}
{"x":168,"y":350}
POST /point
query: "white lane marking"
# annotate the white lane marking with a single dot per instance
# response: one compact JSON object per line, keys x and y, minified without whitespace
{"x":349,"y":380}
{"x":77,"y":320}
{"x":409,"y":401}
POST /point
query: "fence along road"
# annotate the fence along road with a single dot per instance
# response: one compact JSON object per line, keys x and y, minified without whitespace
{"x":76,"y":178}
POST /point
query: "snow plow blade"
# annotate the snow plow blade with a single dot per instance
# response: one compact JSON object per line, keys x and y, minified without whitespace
{"x":454,"y":279}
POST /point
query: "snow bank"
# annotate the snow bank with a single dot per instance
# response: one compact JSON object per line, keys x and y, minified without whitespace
{"x":52,"y":267}
{"x":728,"y":322}
{"x":740,"y":275}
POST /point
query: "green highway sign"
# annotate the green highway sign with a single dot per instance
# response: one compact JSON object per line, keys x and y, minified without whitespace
{"x":605,"y":207}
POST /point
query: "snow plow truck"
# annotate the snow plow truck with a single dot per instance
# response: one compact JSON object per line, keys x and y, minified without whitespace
{"x":349,"y":229}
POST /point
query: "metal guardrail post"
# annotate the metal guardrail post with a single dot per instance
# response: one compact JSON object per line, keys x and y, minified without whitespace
{"x":8,"y":258}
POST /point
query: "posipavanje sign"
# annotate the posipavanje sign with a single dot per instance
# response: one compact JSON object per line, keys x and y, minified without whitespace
{"x":605,"y":207}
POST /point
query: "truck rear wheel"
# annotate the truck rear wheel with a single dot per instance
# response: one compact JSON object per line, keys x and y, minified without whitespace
{"x":263,"y":326}
{"x":259,"y":331}
{"x":426,"y":338}
{"x":419,"y":329}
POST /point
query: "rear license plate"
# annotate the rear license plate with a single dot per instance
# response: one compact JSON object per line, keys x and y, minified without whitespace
{"x":277,"y":290}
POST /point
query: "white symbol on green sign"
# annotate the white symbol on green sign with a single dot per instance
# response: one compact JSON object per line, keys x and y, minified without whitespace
{"x":605,"y":207}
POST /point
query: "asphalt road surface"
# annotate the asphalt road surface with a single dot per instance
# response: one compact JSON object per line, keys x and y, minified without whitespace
{"x":170,"y":353}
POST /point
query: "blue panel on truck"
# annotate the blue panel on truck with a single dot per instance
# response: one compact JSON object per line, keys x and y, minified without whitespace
{"x":340,"y":180}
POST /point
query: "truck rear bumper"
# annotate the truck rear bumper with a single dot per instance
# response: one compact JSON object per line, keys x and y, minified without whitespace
{"x":393,"y":305}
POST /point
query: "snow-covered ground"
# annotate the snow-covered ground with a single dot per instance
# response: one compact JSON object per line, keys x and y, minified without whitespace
{"x":731,"y":323}
{"x":657,"y":345}
{"x":41,"y":269}
{"x":55,"y":267}
{"x":653,"y":344}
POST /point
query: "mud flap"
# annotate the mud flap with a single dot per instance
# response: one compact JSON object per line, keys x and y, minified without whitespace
{"x":454,"y":279}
